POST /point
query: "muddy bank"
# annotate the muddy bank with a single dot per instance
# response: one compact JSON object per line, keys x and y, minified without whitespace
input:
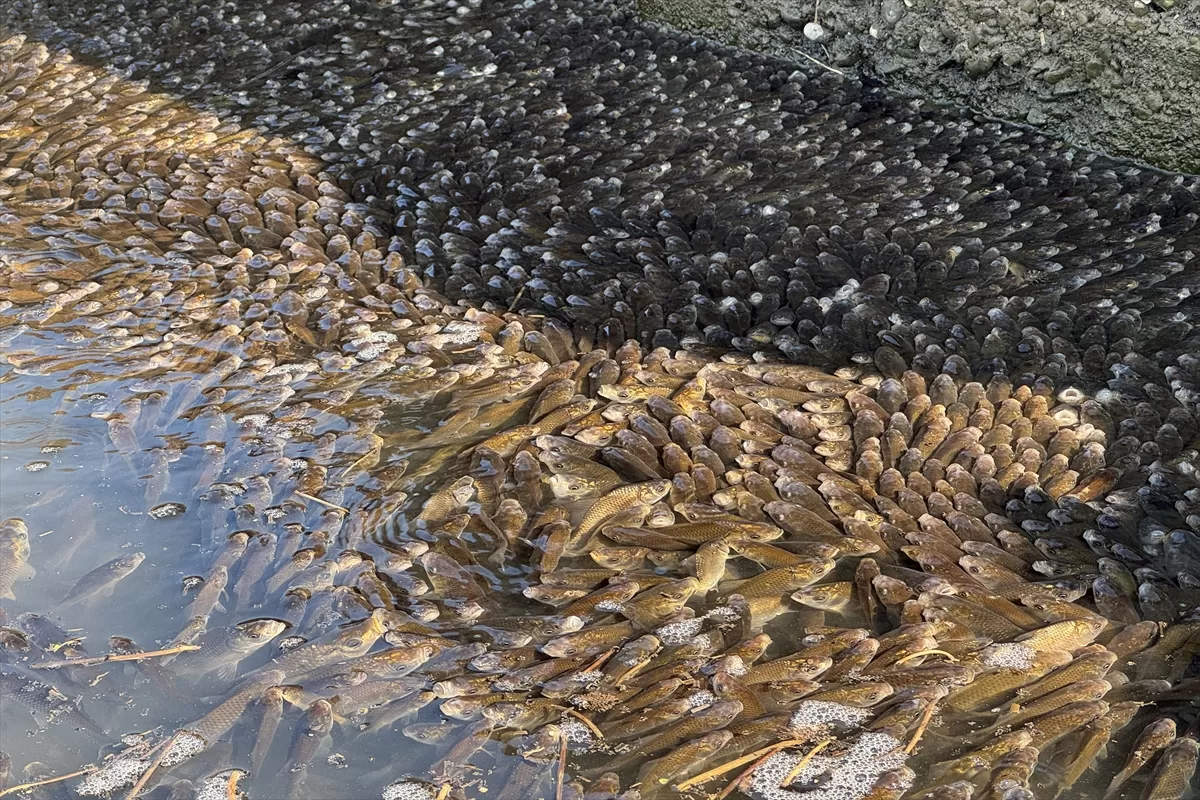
{"x":1116,"y":75}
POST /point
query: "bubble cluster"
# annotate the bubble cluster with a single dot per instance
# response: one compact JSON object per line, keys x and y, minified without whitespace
{"x":848,"y":776}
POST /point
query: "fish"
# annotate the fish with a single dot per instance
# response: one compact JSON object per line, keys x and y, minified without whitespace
{"x":260,"y":553}
{"x":269,"y":709}
{"x":782,"y":580}
{"x":47,"y":703}
{"x":311,"y":733}
{"x":103,"y":579}
{"x":221,"y":718}
{"x":14,"y":556}
{"x":1155,"y":736}
{"x":222,"y":649}
{"x":208,"y":596}
{"x":620,"y":499}
{"x":683,"y":762}
{"x":826,"y":596}
{"x":1173,"y":773}
{"x":346,"y":643}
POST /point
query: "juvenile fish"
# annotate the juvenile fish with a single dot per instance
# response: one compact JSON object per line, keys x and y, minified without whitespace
{"x":47,"y":703}
{"x":208,"y":597}
{"x":103,"y":579}
{"x":270,"y":711}
{"x":311,"y":733}
{"x":1173,"y":774}
{"x":619,"y":500}
{"x":1153,"y":738}
{"x":222,"y":649}
{"x":14,"y":556}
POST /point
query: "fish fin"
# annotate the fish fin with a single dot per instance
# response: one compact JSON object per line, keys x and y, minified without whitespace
{"x":226,"y":672}
{"x":7,"y":595}
{"x":25,"y":571}
{"x":219,"y":606}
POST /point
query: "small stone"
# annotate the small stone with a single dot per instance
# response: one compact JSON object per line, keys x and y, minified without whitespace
{"x":792,"y":17}
{"x":814,"y":32}
{"x":1056,"y":75}
{"x":1093,"y":68}
{"x":1035,"y":116}
{"x":978,"y":65}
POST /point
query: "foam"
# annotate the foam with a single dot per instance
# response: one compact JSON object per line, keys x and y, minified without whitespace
{"x":215,"y":787}
{"x":820,"y":713}
{"x":408,"y":789}
{"x":1009,"y":654}
{"x":674,"y":634}
{"x":848,"y":776}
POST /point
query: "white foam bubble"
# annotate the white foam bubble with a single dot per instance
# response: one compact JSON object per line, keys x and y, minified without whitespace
{"x":847,"y":776}
{"x":406,"y":789}
{"x":117,"y":774}
{"x":818,"y":713}
{"x":678,"y":633}
{"x":1009,"y":654}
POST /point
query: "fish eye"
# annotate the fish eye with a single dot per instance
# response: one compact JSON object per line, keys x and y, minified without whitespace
{"x":354,"y":643}
{"x":255,"y":635}
{"x":973,"y":568}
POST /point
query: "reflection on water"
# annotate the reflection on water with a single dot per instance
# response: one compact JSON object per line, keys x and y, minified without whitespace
{"x":375,"y":541}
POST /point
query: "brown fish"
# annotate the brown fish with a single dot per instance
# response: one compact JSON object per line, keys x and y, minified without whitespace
{"x":14,"y":556}
{"x":618,"y":500}
{"x":1152,"y":739}
{"x":1173,"y":773}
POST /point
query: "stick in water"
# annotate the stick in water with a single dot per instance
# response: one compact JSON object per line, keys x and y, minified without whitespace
{"x":85,"y":662}
{"x":161,"y":748}
{"x":23,"y":786}
{"x":717,"y":772}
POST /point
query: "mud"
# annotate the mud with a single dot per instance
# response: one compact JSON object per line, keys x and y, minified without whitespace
{"x":1115,"y":75}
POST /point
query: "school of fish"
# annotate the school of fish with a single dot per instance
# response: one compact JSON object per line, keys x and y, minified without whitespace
{"x":543,"y":403}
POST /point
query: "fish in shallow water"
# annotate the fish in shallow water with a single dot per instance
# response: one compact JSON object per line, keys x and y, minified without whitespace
{"x":102,"y":580}
{"x":222,"y":649}
{"x":14,"y":556}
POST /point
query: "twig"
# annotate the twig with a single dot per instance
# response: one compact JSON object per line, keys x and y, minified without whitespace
{"x":325,"y":503}
{"x":717,"y":772}
{"x":802,"y":763}
{"x":562,"y":768}
{"x":92,"y":660}
{"x":516,"y":299}
{"x":599,"y":662}
{"x":920,"y":653}
{"x":928,"y":715}
{"x":746,"y":773}
{"x":443,"y":792}
{"x":820,"y":64}
{"x":591,"y":725}
{"x":23,"y":786}
{"x":161,"y":748}
{"x":231,"y":787}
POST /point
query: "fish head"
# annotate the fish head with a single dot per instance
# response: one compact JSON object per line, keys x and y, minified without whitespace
{"x":127,"y":564}
{"x":828,"y":597}
{"x":256,"y":632}
{"x":653,"y":491}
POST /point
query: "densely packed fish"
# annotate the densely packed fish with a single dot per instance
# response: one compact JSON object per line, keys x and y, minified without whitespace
{"x":575,"y":407}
